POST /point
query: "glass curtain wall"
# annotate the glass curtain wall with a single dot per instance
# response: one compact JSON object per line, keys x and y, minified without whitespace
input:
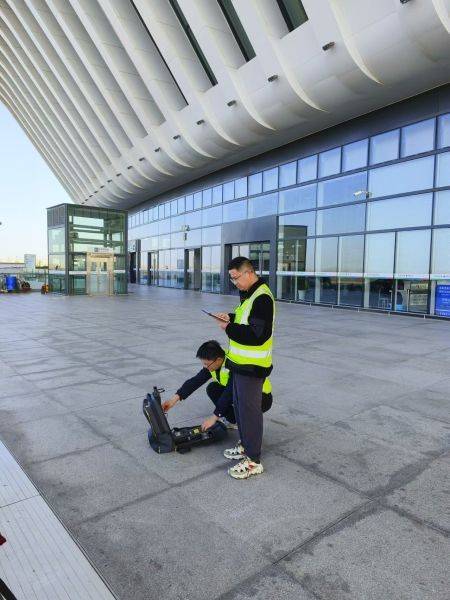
{"x":364,"y":224}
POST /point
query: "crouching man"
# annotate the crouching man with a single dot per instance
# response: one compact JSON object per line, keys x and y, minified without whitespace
{"x":219,"y":390}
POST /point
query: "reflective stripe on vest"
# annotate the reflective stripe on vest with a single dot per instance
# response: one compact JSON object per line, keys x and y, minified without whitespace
{"x":254,"y":355}
{"x":224,"y":376}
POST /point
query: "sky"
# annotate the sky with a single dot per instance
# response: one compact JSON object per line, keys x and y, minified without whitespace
{"x":27,"y":188}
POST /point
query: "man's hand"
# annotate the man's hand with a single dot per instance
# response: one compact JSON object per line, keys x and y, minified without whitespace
{"x":168,"y":404}
{"x":209,"y":422}
{"x":224,"y":316}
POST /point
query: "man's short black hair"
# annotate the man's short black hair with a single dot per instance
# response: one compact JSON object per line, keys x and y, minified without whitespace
{"x":210,"y":350}
{"x":241,"y":263}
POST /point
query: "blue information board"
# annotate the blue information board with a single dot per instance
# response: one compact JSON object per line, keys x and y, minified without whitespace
{"x":442,"y":300}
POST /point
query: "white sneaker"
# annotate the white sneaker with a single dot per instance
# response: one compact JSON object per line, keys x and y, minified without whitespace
{"x":245,"y":469}
{"x":227,"y":424}
{"x":236,"y":453}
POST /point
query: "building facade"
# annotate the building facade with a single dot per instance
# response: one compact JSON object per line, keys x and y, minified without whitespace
{"x":357,"y":215}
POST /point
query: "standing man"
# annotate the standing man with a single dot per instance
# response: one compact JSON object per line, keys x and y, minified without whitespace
{"x":250,"y":333}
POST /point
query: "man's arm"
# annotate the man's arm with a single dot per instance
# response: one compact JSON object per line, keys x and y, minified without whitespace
{"x":188,"y":388}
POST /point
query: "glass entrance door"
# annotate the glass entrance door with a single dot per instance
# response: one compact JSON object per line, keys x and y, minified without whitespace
{"x":412,"y":295}
{"x":100,"y":275}
{"x":259,"y":255}
{"x":152,"y":268}
{"x":192,"y":269}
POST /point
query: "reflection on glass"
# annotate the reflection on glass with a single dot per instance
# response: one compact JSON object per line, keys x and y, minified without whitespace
{"x":384,"y":147}
{"x":380,"y":254}
{"x":307,"y":169}
{"x":330,"y":162}
{"x":56,"y":262}
{"x":228,"y":191}
{"x":296,"y":255}
{"x":409,"y":176}
{"x":413,"y":253}
{"x":288,"y":174}
{"x":212,"y":216}
{"x":351,"y":291}
{"x":193,"y":219}
{"x":351,"y":254}
{"x":296,"y":288}
{"x":193,"y":238}
{"x":407,"y":211}
{"x":240,"y":187}
{"x":443,"y":169}
{"x":197,"y":200}
{"x":354,"y":155}
{"x":418,"y":138}
{"x":176,"y":223}
{"x":262,"y":205}
{"x":56,"y":240}
{"x":217,"y":194}
{"x":442,"y":208}
{"x":211,"y":235}
{"x":441,"y":252}
{"x":235,"y":211}
{"x":344,"y":219}
{"x":444,"y":131}
{"x":297,"y":225}
{"x":299,"y":198}
{"x":328,"y":290}
{"x":326,"y":255}
{"x":255,"y":184}
{"x":341,"y":189}
{"x":270,"y":179}
{"x":207,"y":197}
{"x":381,"y":292}
{"x":78,"y":262}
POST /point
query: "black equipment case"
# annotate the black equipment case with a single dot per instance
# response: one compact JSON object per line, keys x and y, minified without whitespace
{"x":181,"y":439}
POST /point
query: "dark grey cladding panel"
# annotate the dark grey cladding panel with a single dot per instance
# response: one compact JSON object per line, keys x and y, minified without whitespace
{"x":252,"y":230}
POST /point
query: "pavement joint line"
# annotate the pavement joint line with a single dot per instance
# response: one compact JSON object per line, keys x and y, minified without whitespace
{"x":61,"y":456}
{"x":412,"y":517}
{"x":21,"y":499}
{"x":418,"y":412}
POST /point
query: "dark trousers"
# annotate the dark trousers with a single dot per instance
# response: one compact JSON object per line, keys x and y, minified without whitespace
{"x":215,"y":390}
{"x":247,"y":401}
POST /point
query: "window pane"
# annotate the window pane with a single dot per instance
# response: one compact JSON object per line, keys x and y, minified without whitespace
{"x":351,"y":253}
{"x":211,"y":235}
{"x":296,"y":226}
{"x":441,"y":252}
{"x":342,"y":189}
{"x":207,"y":197}
{"x":212,"y":216}
{"x":442,"y":208}
{"x":228,"y":191}
{"x":296,"y":255}
{"x":288,"y":174}
{"x":193,"y":238}
{"x":235,"y":211}
{"x":255,"y":184}
{"x":262,"y":205}
{"x":384,"y":147}
{"x":307,"y":169}
{"x":177,"y":223}
{"x":177,"y":240}
{"x":155,"y":213}
{"x":293,"y":13}
{"x":413,"y":253}
{"x":329,"y":162}
{"x":181,"y":206}
{"x":380,"y":254}
{"x":237,"y":29}
{"x":161,"y":211}
{"x":408,"y":211}
{"x":174,"y":207}
{"x":444,"y":131}
{"x":299,"y":198}
{"x":326,"y":255}
{"x":344,"y":219}
{"x":354,"y":156}
{"x":194,"y":219}
{"x":270,"y":179}
{"x":56,"y":240}
{"x":164,"y":226}
{"x":443,"y":169}
{"x":217,"y":194}
{"x":403,"y":177}
{"x":240,"y":187}
{"x":167,"y":209}
{"x":197,"y":200}
{"x":189,"y":202}
{"x":418,"y":138}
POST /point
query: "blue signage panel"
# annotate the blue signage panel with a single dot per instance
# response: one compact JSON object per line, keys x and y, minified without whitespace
{"x":442,"y":304}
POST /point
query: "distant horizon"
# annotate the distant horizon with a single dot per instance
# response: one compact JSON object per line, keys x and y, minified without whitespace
{"x":27,"y":188}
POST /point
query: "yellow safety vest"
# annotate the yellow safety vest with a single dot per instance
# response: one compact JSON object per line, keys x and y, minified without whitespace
{"x":241,"y":354}
{"x":224,"y":376}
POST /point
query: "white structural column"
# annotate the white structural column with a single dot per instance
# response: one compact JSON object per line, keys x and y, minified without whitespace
{"x":123,"y":107}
